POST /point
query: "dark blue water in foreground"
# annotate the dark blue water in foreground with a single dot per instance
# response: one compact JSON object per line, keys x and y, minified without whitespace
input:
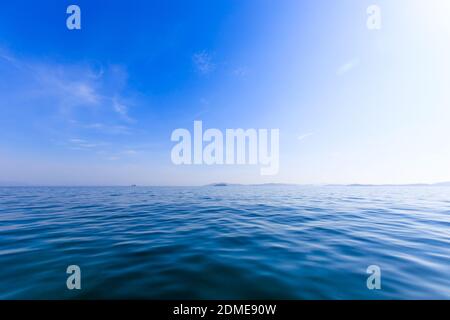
{"x":225,"y":242}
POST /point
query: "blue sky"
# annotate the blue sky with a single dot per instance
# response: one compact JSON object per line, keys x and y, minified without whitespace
{"x":97,"y":106}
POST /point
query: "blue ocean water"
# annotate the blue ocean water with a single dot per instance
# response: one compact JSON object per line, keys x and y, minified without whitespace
{"x":234,"y":242}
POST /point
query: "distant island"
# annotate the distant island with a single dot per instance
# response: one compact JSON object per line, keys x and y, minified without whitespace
{"x":224,"y":184}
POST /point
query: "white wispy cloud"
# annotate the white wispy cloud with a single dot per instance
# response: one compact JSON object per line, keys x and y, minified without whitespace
{"x":85,"y":92}
{"x":121,"y":109}
{"x":123,"y":154}
{"x":348,"y":66}
{"x":108,"y":129}
{"x":84,"y":144}
{"x":105,"y":150}
{"x":304,"y":136}
{"x":6,"y":56}
{"x":203,"y":62}
{"x":70,"y":86}
{"x":240,"y":71}
{"x":130,"y":152}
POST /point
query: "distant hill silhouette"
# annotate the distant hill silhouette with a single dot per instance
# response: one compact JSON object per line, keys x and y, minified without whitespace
{"x":440,"y":184}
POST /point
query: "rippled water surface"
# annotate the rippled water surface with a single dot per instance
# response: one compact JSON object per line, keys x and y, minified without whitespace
{"x":225,"y":242}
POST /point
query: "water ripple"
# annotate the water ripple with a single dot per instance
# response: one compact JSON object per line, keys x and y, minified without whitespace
{"x":225,"y":242}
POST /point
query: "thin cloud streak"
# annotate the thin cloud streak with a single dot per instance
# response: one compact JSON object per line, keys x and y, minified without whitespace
{"x":304,"y":136}
{"x":347,"y":67}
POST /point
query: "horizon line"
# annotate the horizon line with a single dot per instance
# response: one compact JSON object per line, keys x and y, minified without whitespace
{"x":226,"y":184}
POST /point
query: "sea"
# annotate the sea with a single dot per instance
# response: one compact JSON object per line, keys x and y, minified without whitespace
{"x":225,"y":242}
